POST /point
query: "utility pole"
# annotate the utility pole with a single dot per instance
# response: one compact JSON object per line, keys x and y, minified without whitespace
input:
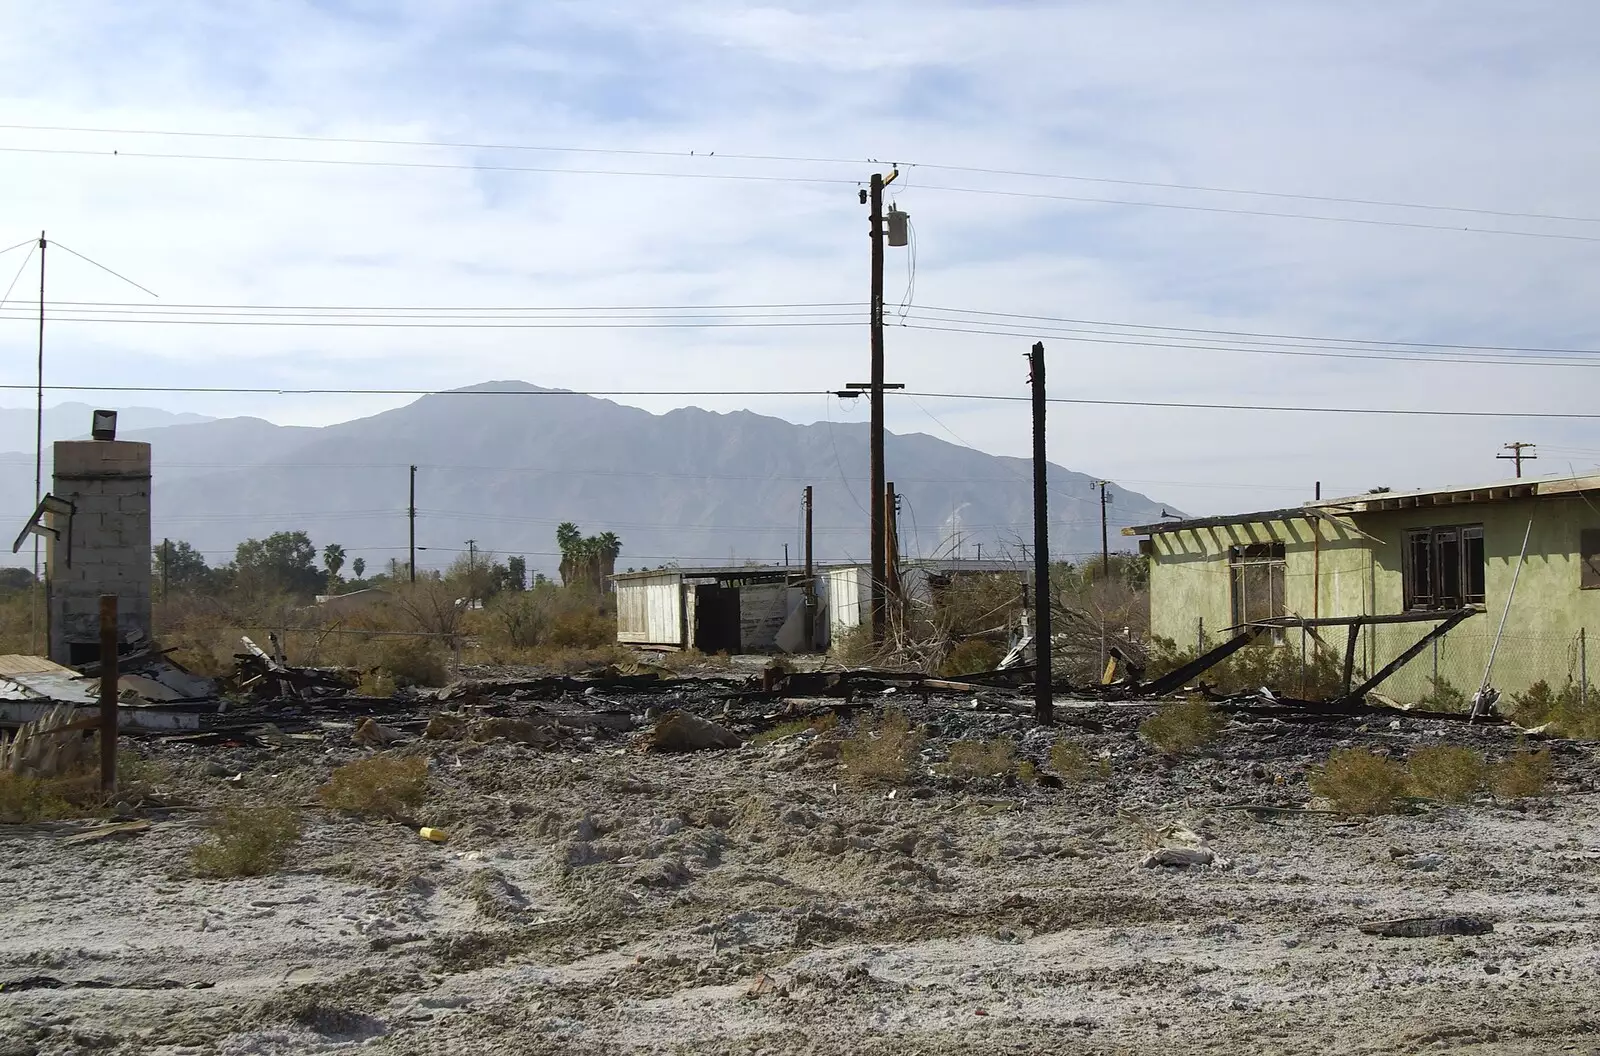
{"x":891,"y":543}
{"x":811,"y":582}
{"x":878,"y":183}
{"x":785,"y":555}
{"x":1517,"y":456}
{"x":411,"y":513}
{"x":166,"y":565}
{"x":1105,"y":540}
{"x":38,"y":455}
{"x":1043,"y":669}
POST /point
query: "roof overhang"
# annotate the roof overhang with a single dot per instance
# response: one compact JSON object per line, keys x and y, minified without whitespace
{"x":1292,"y":513}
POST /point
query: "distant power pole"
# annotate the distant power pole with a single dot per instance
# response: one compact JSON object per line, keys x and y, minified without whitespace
{"x":166,"y":564}
{"x":811,"y":582}
{"x":1517,"y":456}
{"x":1043,"y":669}
{"x":1105,"y":540}
{"x":412,"y":512}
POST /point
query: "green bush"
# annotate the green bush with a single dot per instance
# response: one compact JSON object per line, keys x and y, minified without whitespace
{"x":1442,"y":696}
{"x":1261,"y":663}
{"x":1521,"y":774}
{"x":248,"y":841}
{"x":882,"y":753}
{"x":1073,"y":764}
{"x":970,"y":657}
{"x":1357,"y":781}
{"x":382,"y":786}
{"x":414,"y":661}
{"x":1182,"y":726}
{"x":1565,"y":711}
{"x":1447,"y":772}
{"x":971,"y":760}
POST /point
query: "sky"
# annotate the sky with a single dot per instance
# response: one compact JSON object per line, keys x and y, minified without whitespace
{"x":612,"y":154}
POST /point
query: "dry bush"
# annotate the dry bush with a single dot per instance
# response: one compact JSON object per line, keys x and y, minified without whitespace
{"x":784,"y":730}
{"x":29,"y":799}
{"x":248,"y":841}
{"x":1521,"y":774}
{"x":882,"y":753}
{"x":413,"y":661}
{"x":1258,"y":664}
{"x":970,"y":657}
{"x":853,"y":646}
{"x":1182,"y":726}
{"x":1357,"y":781}
{"x":1447,"y":772}
{"x":377,"y":683}
{"x":382,"y":786}
{"x":1443,"y":696}
{"x":1027,"y":773}
{"x":689,"y":659}
{"x":1565,"y":711}
{"x":971,"y":760}
{"x":1073,"y":764}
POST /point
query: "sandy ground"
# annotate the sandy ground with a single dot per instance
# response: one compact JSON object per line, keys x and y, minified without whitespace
{"x":599,"y":900}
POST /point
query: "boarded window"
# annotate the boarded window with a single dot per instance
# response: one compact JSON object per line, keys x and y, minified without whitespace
{"x":1589,"y":558}
{"x":1444,"y":567}
{"x":1257,"y":572}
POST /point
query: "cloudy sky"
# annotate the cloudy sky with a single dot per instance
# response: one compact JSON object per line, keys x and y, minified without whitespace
{"x":1052,"y":156}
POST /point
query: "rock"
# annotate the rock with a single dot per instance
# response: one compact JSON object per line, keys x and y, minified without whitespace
{"x":1427,"y":927}
{"x":446,"y":727}
{"x":678,"y":731}
{"x":517,"y":731}
{"x":370,"y":734}
{"x":1183,"y":857}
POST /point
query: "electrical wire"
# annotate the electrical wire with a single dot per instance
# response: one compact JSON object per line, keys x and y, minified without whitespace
{"x":813,"y":180}
{"x":801,"y":159}
{"x":20,"y":269}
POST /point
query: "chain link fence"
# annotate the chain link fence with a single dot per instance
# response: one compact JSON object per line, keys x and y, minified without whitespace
{"x":1450,"y":669}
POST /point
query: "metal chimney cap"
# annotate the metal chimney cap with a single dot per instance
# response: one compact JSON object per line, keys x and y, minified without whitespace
{"x":105,"y":425}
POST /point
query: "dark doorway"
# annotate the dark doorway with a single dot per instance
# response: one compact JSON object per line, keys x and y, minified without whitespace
{"x":716,"y":619}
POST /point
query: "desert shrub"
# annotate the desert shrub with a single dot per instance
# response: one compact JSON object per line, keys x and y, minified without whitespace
{"x":882,"y":753}
{"x":382,"y":786}
{"x":970,"y":760}
{"x":970,"y":657}
{"x":1027,"y":773}
{"x":28,"y":799}
{"x":376,"y":683}
{"x":1073,"y":764}
{"x":1520,"y":774}
{"x":853,"y":646}
{"x":1182,"y":726}
{"x":1443,"y":696}
{"x":248,"y":841}
{"x":1565,"y":710}
{"x":1261,"y":663}
{"x":820,"y":723}
{"x":1357,"y":781}
{"x":1447,"y":772}
{"x":413,"y":661}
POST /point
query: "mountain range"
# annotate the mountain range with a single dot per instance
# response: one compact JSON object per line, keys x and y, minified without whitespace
{"x":503,"y":463}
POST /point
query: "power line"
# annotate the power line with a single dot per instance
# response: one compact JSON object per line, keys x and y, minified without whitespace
{"x":1257,"y":334}
{"x":995,"y":397}
{"x":814,"y":180}
{"x":801,"y":159}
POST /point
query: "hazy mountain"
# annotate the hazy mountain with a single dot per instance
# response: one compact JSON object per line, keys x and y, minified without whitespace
{"x":503,"y":470}
{"x":69,"y":421}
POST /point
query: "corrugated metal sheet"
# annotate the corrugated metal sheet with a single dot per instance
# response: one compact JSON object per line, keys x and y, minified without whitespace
{"x":650,"y":609}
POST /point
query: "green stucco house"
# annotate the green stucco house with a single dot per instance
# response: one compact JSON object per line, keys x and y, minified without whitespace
{"x":1392,"y":553}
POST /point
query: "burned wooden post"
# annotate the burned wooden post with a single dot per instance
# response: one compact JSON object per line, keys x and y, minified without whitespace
{"x":108,"y":693}
{"x":1043,"y":667}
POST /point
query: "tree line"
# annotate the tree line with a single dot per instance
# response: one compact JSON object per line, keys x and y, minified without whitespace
{"x":290,"y":563}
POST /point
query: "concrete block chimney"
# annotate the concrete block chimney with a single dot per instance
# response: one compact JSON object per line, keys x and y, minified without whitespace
{"x":108,"y":484}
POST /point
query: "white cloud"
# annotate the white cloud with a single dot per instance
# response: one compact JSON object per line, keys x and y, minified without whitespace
{"x":1458,"y":103}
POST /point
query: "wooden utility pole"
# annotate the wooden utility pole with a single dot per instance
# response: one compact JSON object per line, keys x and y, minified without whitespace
{"x":1105,"y":539}
{"x":412,"y":516}
{"x":108,"y":693}
{"x":811,"y":583}
{"x":1043,"y":670}
{"x":166,"y":566}
{"x":1516,"y":455}
{"x":879,"y":570}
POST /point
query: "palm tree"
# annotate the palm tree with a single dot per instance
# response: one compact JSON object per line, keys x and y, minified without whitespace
{"x":333,"y":561}
{"x":359,"y":567}
{"x":607,"y":546}
{"x":570,"y":540}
